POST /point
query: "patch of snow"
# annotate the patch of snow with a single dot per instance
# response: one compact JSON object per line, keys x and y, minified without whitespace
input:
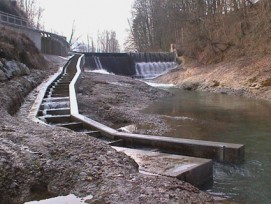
{"x":69,"y":199}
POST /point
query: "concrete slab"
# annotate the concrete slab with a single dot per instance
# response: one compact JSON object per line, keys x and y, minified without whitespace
{"x":218,"y":151}
{"x":193,"y":170}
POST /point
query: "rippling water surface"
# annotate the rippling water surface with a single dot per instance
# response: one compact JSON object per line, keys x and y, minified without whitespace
{"x":231,"y":119}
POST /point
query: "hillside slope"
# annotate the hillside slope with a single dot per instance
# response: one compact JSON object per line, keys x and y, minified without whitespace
{"x":19,"y":59}
{"x":246,"y":76}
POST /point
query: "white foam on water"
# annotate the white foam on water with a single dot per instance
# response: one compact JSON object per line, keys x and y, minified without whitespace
{"x":69,"y":199}
{"x":159,"y":84}
{"x":151,"y":70}
{"x":99,"y":71}
{"x":178,"y":117}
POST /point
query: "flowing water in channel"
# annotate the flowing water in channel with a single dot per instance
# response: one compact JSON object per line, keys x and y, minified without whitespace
{"x":230,"y":119}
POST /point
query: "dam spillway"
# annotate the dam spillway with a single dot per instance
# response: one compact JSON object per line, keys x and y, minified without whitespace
{"x":138,"y":65}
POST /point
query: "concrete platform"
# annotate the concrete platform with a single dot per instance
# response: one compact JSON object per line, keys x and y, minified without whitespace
{"x":190,"y":169}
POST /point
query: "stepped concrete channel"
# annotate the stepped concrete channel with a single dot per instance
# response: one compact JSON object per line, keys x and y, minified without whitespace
{"x":188,"y":160}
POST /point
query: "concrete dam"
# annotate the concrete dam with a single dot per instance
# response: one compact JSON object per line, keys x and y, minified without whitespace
{"x":138,"y":65}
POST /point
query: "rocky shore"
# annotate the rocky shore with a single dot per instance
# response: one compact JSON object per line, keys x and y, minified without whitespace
{"x":38,"y":161}
{"x":246,"y":76}
{"x":119,"y":101}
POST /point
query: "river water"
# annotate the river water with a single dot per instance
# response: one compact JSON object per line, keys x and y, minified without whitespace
{"x":223,"y":118}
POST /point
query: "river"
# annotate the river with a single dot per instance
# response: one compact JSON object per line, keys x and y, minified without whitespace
{"x":224,"y":118}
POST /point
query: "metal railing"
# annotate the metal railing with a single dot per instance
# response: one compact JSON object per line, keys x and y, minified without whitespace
{"x":13,"y":20}
{"x":47,"y":38}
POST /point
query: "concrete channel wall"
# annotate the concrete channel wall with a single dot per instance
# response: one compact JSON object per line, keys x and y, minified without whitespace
{"x":177,"y":157}
{"x":47,"y":43}
{"x":204,"y":149}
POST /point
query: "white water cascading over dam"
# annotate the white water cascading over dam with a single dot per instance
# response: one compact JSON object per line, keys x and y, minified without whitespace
{"x":138,"y":65}
{"x":148,"y":70}
{"x":151,"y":65}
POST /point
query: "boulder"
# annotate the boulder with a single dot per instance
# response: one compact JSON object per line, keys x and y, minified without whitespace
{"x":2,"y":76}
{"x":12,"y":69}
{"x":24,"y":69}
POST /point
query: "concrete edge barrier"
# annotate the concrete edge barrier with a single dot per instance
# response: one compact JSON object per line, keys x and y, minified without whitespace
{"x":219,"y":151}
{"x":42,"y":88}
{"x":73,"y":87}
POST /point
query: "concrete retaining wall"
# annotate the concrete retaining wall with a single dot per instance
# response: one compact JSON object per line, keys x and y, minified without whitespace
{"x":47,"y":43}
{"x":124,"y":63}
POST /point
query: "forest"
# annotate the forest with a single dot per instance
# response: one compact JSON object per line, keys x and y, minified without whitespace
{"x":207,"y":30}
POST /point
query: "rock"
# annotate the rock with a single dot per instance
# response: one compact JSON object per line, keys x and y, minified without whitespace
{"x":1,"y":65}
{"x":190,"y":86}
{"x":83,"y":174}
{"x":24,"y":69}
{"x":14,"y":185}
{"x":12,"y":69}
{"x":2,"y":76}
{"x":128,"y":129}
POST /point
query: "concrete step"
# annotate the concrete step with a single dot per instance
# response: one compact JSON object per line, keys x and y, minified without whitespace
{"x":60,"y":91}
{"x":62,"y":111}
{"x":193,"y":170}
{"x":99,"y":136}
{"x":76,"y":126}
{"x":57,"y":91}
{"x":66,"y":78}
{"x":56,"y":99}
{"x":96,"y":134}
{"x":54,"y":105}
{"x":63,"y":83}
{"x":59,"y":119}
{"x":116,"y":143}
{"x":61,"y":86}
{"x":60,"y":95}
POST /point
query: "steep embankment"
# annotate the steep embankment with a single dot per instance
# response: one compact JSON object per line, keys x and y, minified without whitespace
{"x":20,"y":61}
{"x":246,"y":76}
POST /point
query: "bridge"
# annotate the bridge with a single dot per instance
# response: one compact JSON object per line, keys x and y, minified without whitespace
{"x":46,"y":42}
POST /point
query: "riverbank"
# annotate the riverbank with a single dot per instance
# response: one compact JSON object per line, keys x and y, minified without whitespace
{"x":38,"y":161}
{"x":247,"y":76}
{"x":118,"y":101}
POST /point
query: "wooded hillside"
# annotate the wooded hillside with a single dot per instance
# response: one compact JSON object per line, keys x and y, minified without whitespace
{"x":208,"y":30}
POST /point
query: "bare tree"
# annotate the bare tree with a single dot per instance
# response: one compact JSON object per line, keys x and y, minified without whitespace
{"x":107,"y":42}
{"x":33,"y":12}
{"x":74,"y":40}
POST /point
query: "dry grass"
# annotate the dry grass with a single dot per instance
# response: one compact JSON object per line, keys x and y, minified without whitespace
{"x":266,"y":82}
{"x":19,"y":47}
{"x":227,"y":37}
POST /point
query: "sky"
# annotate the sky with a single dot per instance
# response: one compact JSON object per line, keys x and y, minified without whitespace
{"x":89,"y":16}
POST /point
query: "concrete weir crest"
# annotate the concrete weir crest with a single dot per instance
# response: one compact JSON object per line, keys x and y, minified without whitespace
{"x":61,"y":91}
